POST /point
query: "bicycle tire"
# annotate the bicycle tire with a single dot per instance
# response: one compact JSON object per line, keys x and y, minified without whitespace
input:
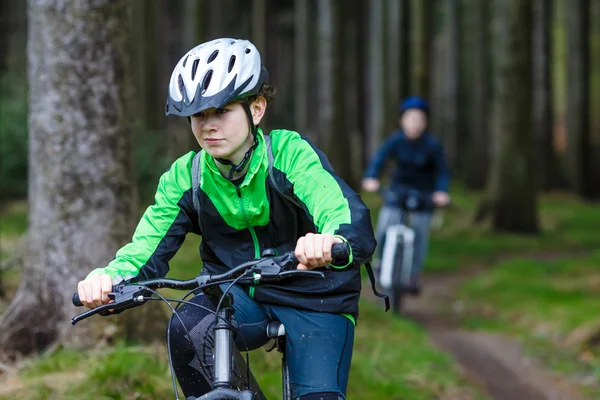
{"x":398,"y":302}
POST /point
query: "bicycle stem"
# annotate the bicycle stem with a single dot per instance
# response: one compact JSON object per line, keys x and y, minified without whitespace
{"x":224,"y":344}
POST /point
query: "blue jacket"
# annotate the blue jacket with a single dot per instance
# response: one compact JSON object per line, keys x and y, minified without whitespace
{"x":420,"y":163}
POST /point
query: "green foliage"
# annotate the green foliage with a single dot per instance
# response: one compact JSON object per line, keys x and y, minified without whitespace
{"x":13,"y":135}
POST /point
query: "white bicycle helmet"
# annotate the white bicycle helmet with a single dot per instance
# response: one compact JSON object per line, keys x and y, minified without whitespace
{"x":213,"y":74}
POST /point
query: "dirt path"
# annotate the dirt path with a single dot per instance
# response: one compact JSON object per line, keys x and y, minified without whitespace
{"x":493,"y":362}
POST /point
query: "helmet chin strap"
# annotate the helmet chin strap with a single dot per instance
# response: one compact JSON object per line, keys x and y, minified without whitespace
{"x":238,"y":168}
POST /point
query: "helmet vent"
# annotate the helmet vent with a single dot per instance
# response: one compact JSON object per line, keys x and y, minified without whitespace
{"x":206,"y":80}
{"x":212,"y":56}
{"x":248,"y":50}
{"x":195,"y":68}
{"x":181,"y":84}
{"x":185,"y":60}
{"x":231,"y":63}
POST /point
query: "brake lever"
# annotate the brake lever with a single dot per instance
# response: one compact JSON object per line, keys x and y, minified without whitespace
{"x":102,"y":310}
{"x":128,"y":296}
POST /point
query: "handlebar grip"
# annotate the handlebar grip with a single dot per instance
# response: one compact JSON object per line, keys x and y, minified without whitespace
{"x":76,"y":301}
{"x":340,"y":251}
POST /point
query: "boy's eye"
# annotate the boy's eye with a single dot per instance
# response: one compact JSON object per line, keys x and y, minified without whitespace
{"x":198,"y":115}
{"x":221,"y":111}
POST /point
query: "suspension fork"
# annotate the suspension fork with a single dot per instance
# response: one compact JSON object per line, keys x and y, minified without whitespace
{"x":224,"y":344}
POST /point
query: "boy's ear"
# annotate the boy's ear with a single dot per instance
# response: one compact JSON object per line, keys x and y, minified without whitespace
{"x":258,"y":108}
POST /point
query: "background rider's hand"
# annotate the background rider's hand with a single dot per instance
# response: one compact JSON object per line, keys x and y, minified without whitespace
{"x":441,"y":199}
{"x":93,"y":291}
{"x":314,"y":250}
{"x":370,"y":184}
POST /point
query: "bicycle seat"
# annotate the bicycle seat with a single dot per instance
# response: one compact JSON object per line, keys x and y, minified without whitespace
{"x":275,"y":330}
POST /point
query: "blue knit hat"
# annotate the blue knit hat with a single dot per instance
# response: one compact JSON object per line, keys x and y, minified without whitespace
{"x":414,"y":102}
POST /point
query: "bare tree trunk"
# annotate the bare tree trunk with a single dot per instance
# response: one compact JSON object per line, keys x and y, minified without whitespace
{"x":193,"y":28}
{"x":547,"y":169}
{"x":475,"y":123}
{"x":331,"y":79}
{"x":511,"y":192}
{"x":393,"y":26}
{"x":595,"y":91}
{"x":338,"y":137}
{"x":451,"y":96}
{"x":6,"y":28}
{"x":259,"y":24}
{"x":353,"y":113}
{"x":375,"y":84}
{"x":301,"y":65}
{"x":396,"y":59}
{"x":420,"y":47}
{"x":279,"y":59}
{"x":578,"y":98}
{"x":81,"y":187}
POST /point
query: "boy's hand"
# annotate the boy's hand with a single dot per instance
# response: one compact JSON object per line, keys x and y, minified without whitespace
{"x":370,"y":184}
{"x":93,"y":292}
{"x":314,"y":250}
{"x":441,"y":199}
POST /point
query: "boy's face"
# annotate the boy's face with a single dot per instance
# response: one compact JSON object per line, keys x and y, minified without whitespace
{"x":225,"y":132}
{"x":413,"y":122}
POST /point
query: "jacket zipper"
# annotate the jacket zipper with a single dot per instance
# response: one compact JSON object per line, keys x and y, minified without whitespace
{"x":252,"y":232}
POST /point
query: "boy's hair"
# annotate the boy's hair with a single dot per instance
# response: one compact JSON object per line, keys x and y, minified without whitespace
{"x":266,"y":90}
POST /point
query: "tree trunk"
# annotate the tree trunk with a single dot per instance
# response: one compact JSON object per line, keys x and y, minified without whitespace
{"x":259,"y":24}
{"x":595,"y":91}
{"x":511,"y":193}
{"x":475,"y":125}
{"x":301,"y":64}
{"x":331,"y":85}
{"x":547,"y":169}
{"x":451,"y":109}
{"x":375,"y":84}
{"x":578,"y":98}
{"x":6,"y":28}
{"x":420,"y":47}
{"x":396,"y":59}
{"x":81,"y":187}
{"x":353,"y":104}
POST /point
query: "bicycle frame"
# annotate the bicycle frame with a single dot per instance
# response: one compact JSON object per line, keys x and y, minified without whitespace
{"x":396,"y":235}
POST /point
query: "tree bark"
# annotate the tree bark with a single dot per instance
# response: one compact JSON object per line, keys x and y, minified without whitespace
{"x":81,"y":186}
{"x":259,"y":24}
{"x":595,"y":91}
{"x":301,"y":65}
{"x":475,"y":125}
{"x":511,"y":196}
{"x":451,"y":110}
{"x":420,"y":47}
{"x":331,"y":85}
{"x":548,"y":173}
{"x":374,"y":91}
{"x":578,"y":98}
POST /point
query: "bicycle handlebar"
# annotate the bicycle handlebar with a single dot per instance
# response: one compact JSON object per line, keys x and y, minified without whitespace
{"x":410,"y":199}
{"x":269,"y":268}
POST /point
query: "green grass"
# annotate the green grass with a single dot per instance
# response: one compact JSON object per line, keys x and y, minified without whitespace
{"x":549,"y":305}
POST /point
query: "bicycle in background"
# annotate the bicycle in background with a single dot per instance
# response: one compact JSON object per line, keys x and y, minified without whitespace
{"x":397,"y":275}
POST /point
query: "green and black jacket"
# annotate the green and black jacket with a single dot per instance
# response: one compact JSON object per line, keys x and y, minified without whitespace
{"x":238,"y":222}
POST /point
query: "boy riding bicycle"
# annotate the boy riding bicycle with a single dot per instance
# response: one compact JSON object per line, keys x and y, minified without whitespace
{"x":221,"y":87}
{"x":420,"y":167}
